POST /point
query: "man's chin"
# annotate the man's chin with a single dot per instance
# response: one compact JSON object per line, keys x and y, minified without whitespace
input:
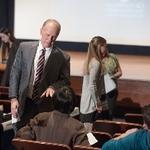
{"x":47,"y":46}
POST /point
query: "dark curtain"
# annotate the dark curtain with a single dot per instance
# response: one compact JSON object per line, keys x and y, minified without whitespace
{"x":7,"y":14}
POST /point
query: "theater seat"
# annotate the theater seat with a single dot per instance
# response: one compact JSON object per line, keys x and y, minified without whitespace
{"x":1,"y":139}
{"x":102,"y":137}
{"x":21,"y":144}
{"x":6,"y":104}
{"x":113,"y":127}
{"x":134,"y":118}
{"x":6,"y":135}
{"x":3,"y":92}
{"x":79,"y":147}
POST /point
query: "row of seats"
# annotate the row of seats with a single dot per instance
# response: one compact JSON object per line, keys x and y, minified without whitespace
{"x":103,"y":130}
{"x":3,"y":92}
{"x":113,"y":127}
{"x":6,"y":132}
{"x":21,"y":144}
{"x":134,"y":118}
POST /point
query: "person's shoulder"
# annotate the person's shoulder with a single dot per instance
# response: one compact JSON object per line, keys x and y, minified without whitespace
{"x":28,"y":43}
{"x":76,"y":123}
{"x":41,"y":117}
{"x":62,"y":53}
{"x":94,"y":63}
{"x":143,"y":132}
{"x":112,"y":55}
{"x":142,"y":139}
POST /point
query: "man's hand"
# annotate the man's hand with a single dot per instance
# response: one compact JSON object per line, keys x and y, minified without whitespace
{"x":14,"y":107}
{"x":49,"y":92}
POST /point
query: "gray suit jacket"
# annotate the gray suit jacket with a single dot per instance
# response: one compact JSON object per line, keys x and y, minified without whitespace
{"x":56,"y":72}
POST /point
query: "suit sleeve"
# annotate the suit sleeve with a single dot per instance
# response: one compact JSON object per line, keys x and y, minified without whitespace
{"x":15,"y":75}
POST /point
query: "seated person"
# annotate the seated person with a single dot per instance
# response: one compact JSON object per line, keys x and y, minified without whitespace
{"x":133,"y":139}
{"x":56,"y":126}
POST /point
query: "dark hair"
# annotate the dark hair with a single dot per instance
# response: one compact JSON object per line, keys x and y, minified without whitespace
{"x":64,"y":100}
{"x":146,"y":115}
{"x":7,"y":32}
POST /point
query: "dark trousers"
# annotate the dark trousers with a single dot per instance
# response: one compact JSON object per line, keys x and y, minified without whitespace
{"x":108,"y":113}
{"x":111,"y":99}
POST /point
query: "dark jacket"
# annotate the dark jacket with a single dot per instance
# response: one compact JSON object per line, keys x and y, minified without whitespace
{"x":54,"y":127}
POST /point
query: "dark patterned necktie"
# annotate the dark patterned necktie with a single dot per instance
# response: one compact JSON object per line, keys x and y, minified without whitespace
{"x":38,"y":75}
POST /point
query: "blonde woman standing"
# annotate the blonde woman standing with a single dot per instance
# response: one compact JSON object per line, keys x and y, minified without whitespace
{"x":91,"y":88}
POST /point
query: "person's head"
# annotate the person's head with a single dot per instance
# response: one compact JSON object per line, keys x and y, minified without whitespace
{"x":49,"y":32}
{"x":96,"y":44}
{"x":64,"y":100}
{"x":146,"y":116}
{"x":6,"y":35}
{"x":103,"y":49}
{"x":94,"y":50}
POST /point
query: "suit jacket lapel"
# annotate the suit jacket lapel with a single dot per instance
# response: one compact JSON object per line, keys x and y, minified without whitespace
{"x":32,"y":56}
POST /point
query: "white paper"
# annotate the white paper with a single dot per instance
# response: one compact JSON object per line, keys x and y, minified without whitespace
{"x":14,"y":120}
{"x":91,"y":138}
{"x":109,"y":83}
{"x":75,"y":112}
{"x":7,"y":125}
{"x":1,"y":108}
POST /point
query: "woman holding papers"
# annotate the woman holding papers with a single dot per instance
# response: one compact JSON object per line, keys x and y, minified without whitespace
{"x":91,"y":89}
{"x":111,"y":67}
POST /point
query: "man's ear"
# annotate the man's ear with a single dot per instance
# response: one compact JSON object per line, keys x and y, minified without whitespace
{"x":9,"y":34}
{"x":41,"y":31}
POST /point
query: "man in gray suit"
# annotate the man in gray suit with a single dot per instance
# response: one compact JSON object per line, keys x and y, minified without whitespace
{"x":56,"y":73}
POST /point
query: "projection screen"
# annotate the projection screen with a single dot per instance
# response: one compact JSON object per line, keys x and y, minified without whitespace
{"x":119,"y":21}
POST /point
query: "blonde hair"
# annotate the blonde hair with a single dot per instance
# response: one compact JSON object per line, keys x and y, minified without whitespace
{"x":93,"y":51}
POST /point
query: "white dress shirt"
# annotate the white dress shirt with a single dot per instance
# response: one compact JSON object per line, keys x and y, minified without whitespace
{"x":38,"y":53}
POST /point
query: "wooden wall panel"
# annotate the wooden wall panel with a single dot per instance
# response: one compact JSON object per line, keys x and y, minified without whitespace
{"x":132,"y":93}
